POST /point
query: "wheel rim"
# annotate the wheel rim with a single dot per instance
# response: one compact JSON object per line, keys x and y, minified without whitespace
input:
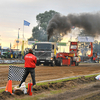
{"x":60,"y":63}
{"x":53,"y":62}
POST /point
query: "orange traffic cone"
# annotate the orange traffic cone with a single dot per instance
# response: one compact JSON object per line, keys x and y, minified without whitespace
{"x":9,"y":86}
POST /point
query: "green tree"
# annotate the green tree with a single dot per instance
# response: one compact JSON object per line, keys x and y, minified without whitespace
{"x":44,"y":18}
{"x":39,"y":31}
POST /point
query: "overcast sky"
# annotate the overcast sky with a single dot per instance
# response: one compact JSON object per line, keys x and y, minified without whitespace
{"x":14,"y":12}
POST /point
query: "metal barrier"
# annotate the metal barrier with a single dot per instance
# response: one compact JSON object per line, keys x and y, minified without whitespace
{"x":10,"y":61}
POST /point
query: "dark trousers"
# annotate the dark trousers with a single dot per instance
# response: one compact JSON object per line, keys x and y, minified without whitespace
{"x":27,"y":71}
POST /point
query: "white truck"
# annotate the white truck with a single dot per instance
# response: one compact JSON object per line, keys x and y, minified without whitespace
{"x":45,"y":53}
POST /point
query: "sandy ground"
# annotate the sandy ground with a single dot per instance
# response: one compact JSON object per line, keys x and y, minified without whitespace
{"x":48,"y":72}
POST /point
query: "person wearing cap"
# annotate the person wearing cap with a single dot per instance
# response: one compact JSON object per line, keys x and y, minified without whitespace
{"x":30,"y":65}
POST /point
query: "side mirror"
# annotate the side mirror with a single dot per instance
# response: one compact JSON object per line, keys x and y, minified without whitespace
{"x":33,"y":46}
{"x":53,"y":47}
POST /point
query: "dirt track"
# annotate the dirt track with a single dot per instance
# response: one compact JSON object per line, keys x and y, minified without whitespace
{"x":85,"y":86}
{"x":48,"y":72}
{"x":83,"y":91}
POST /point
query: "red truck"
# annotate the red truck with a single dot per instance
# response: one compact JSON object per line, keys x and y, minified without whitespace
{"x":69,"y":59}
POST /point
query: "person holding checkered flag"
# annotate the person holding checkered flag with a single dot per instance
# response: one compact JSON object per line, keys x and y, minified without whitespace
{"x":30,"y":65}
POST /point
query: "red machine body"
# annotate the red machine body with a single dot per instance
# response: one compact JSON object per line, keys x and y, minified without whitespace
{"x":71,"y":58}
{"x":91,"y":46}
{"x":93,"y":54}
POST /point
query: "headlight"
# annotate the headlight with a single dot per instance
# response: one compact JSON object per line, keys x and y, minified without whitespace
{"x":49,"y":58}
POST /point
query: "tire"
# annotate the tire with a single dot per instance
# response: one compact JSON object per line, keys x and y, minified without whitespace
{"x":60,"y":62}
{"x":46,"y":64}
{"x":11,"y":55}
{"x":53,"y":63}
{"x":15,"y":56}
{"x":37,"y":64}
{"x":19,"y":57}
{"x":71,"y":61}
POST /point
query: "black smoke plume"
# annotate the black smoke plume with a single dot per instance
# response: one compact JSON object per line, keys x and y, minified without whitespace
{"x":90,"y":22}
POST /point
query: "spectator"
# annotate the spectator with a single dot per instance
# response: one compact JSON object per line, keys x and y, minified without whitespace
{"x":30,"y":65}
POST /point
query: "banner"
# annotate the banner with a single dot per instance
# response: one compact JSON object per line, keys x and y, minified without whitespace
{"x":31,"y":42}
{"x":61,"y":44}
{"x":85,"y":39}
{"x":15,"y":73}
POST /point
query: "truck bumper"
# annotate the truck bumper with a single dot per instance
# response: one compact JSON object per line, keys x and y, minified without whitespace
{"x":44,"y":61}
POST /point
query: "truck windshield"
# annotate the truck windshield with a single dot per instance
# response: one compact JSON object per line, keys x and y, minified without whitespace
{"x":73,"y":46}
{"x":42,"y":47}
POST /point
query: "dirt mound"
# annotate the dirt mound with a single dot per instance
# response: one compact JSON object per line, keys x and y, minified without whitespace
{"x":50,"y":86}
{"x":94,"y":97}
{"x":5,"y":95}
{"x":64,"y":84}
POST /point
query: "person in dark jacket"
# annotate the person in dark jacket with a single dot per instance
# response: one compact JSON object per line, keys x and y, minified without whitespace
{"x":30,"y":65}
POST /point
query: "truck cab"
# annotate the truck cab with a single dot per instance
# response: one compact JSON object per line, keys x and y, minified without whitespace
{"x":45,"y":52}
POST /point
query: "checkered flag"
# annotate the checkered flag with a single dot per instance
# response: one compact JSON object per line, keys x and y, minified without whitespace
{"x":15,"y":73}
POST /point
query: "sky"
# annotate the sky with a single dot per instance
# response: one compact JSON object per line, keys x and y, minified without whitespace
{"x":14,"y":12}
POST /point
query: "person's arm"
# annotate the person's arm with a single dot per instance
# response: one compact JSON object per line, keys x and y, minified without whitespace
{"x":35,"y":60}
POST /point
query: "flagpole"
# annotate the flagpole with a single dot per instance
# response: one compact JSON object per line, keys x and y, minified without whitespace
{"x":23,"y":42}
{"x":23,"y":30}
{"x":17,"y":41}
{"x":27,"y":24}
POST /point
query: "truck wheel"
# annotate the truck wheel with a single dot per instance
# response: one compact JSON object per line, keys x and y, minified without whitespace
{"x":46,"y":64}
{"x":37,"y":64}
{"x":53,"y":63}
{"x":60,"y":62}
{"x":15,"y":56}
{"x":70,"y":62}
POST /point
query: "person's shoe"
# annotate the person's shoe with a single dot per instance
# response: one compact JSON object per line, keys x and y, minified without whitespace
{"x":34,"y":86}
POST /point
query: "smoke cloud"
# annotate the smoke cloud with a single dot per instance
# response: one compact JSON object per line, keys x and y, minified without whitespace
{"x":90,"y":22}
